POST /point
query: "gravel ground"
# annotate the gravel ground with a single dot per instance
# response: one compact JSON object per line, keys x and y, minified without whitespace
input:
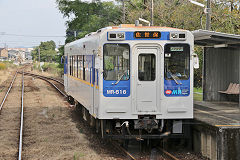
{"x":52,"y":130}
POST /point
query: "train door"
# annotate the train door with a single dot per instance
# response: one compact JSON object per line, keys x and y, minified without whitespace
{"x":147,"y":79}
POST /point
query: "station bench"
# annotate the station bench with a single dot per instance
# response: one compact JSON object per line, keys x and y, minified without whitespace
{"x":233,"y":88}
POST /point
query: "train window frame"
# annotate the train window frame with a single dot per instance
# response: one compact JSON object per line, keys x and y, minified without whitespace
{"x":168,"y":53}
{"x":73,"y":66}
{"x":70,"y":67}
{"x":77,"y":66}
{"x":155,"y":65}
{"x":84,"y":72}
{"x":129,"y":60}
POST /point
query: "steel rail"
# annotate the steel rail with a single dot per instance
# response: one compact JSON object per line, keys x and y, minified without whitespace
{"x":46,"y":79}
{"x":21,"y":126}
{"x":123,"y":150}
{"x":169,"y":155}
{"x":10,"y":87}
{"x":27,"y":73}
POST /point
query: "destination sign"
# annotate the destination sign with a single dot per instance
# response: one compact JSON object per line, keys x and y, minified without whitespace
{"x":176,"y":49}
{"x":147,"y":34}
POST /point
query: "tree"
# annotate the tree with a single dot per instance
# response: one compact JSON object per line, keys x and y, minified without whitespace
{"x":88,"y":17}
{"x":47,"y":51}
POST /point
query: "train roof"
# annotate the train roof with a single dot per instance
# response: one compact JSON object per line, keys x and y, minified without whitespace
{"x":133,"y":27}
{"x":125,"y":27}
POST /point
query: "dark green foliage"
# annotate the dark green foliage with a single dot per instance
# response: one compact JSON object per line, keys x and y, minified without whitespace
{"x":88,"y":17}
{"x":198,"y":72}
{"x":47,"y":52}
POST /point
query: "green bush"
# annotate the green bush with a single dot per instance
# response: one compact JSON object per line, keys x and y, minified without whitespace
{"x":53,"y":68}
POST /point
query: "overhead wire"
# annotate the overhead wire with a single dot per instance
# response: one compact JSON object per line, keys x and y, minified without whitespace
{"x":19,"y":35}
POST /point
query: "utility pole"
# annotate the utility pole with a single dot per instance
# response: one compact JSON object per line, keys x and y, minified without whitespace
{"x":39,"y":54}
{"x":124,"y":12}
{"x":151,"y":12}
{"x":75,"y":34}
{"x":208,"y":15}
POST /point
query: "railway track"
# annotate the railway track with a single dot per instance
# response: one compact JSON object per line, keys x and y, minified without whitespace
{"x":21,"y":129}
{"x":165,"y":154}
{"x":10,"y":87}
{"x":47,"y":79}
{"x":21,"y":119}
{"x":162,"y":155}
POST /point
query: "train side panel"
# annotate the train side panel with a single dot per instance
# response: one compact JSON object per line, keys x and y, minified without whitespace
{"x":82,"y":76}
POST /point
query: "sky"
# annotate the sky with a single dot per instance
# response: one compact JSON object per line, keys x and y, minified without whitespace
{"x":31,"y":18}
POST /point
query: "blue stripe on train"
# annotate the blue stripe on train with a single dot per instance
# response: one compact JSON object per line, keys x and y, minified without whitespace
{"x":171,"y":89}
{"x":65,"y":65}
{"x":122,"y":89}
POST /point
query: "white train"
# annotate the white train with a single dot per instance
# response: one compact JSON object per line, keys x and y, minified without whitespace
{"x":132,"y":81}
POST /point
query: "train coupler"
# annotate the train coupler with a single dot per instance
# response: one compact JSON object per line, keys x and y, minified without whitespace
{"x":146,"y":123}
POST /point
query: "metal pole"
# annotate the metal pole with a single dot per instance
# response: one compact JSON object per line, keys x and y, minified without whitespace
{"x":39,"y":54}
{"x":152,"y":13}
{"x":124,"y":12}
{"x":208,"y":17}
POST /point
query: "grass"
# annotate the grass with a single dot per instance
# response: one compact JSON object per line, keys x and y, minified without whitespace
{"x":53,"y":68}
{"x":76,"y":156}
{"x":197,"y":96}
{"x":199,"y":90}
{"x":6,"y":64}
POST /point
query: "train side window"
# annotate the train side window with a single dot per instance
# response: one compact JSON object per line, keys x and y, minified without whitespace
{"x":146,"y":67}
{"x":76,"y":68}
{"x":79,"y":67}
{"x":73,"y":68}
{"x":87,"y":69}
{"x":83,"y":60}
{"x":70,"y":65}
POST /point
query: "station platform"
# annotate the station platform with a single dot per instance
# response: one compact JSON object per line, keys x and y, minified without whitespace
{"x":216,"y":130}
{"x":219,"y":114}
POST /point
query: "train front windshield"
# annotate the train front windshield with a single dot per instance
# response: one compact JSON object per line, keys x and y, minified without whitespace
{"x":176,"y":61}
{"x":116,"y":62}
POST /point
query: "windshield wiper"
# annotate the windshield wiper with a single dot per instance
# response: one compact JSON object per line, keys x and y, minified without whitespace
{"x":119,"y":79}
{"x":175,"y":78}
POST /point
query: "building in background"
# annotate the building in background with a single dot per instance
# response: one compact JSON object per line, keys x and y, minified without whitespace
{"x":20,"y":54}
{"x":3,"y":54}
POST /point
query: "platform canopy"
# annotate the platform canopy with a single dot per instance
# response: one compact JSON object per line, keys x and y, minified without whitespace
{"x":221,"y":64}
{"x":215,"y":39}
